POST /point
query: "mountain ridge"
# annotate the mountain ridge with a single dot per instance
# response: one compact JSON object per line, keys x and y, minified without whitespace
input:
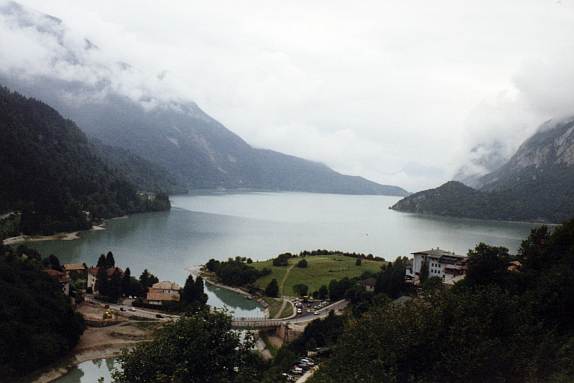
{"x":535,"y":184}
{"x":197,"y":150}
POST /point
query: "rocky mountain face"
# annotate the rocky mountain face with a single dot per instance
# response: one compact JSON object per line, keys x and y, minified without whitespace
{"x":536,"y":184}
{"x":196,"y":150}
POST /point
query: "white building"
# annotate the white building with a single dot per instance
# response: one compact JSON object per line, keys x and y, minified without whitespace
{"x":446,"y":265}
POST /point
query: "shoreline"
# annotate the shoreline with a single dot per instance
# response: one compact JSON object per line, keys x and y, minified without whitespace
{"x":63,"y":236}
{"x":54,"y":373}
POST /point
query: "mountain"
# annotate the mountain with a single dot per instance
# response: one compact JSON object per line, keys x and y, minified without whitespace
{"x":144,"y":175}
{"x":196,"y":150}
{"x":536,"y":184}
{"x":51,"y":173}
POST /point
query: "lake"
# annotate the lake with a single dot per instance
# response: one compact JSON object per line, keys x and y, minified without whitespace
{"x":262,"y":225}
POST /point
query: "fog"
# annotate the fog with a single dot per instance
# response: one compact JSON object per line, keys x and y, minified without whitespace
{"x":400,"y":92}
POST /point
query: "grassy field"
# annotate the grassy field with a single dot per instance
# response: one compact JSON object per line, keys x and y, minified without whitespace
{"x":321,"y":270}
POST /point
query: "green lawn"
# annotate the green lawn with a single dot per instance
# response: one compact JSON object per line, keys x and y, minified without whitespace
{"x":321,"y":270}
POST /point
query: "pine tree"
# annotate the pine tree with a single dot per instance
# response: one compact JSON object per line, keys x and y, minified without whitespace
{"x":200,"y":295}
{"x":126,"y":282}
{"x":102,"y":261}
{"x":114,"y":288}
{"x":110,"y":262}
{"x":188,"y":292}
{"x":102,"y":285}
{"x":272,"y":289}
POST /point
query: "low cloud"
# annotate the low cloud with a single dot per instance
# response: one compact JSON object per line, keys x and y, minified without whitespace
{"x":369,"y":88}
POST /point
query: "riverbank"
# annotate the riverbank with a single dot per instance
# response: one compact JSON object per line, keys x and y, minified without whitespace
{"x":65,"y":236}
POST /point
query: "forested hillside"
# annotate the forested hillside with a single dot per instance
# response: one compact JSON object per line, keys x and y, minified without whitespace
{"x":499,"y":324}
{"x":52,"y":175}
{"x":37,"y":322}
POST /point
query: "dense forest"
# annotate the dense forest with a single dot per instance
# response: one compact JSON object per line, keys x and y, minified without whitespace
{"x":37,"y":323}
{"x":52,"y":175}
{"x":498,"y":324}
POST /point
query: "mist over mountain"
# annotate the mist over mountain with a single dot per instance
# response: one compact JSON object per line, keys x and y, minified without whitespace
{"x":52,"y":176}
{"x":111,"y":104}
{"x":535,"y":184}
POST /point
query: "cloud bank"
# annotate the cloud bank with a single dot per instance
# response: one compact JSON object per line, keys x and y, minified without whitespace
{"x":399,"y":92}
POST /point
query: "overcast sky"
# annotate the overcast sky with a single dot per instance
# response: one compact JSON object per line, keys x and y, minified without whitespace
{"x":396,"y":91}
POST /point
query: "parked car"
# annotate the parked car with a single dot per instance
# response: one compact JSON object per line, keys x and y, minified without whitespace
{"x":132,"y":309}
{"x":297,"y":370}
{"x":316,"y":313}
{"x":158,"y":316}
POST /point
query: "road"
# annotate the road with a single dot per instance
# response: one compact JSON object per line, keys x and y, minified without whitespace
{"x":236,"y":322}
{"x":307,"y":317}
{"x":131,"y":311}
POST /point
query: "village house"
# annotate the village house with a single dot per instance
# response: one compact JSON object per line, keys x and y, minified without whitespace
{"x":75,"y":270}
{"x":163,"y":292}
{"x":93,"y":276}
{"x":62,"y":278}
{"x":447,"y":265}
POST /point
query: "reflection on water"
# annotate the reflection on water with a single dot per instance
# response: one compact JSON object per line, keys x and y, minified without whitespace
{"x":90,"y":372}
{"x":238,"y":305}
{"x":261,"y":225}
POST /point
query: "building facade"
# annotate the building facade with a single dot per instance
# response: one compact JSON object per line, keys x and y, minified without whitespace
{"x":447,"y":265}
{"x":163,"y":292}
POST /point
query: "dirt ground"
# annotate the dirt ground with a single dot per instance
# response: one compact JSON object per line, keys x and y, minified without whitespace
{"x":100,"y":342}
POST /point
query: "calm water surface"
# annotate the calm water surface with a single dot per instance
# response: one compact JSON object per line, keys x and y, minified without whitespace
{"x":261,"y":225}
{"x":90,"y":372}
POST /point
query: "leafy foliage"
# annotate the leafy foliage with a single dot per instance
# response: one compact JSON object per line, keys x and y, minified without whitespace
{"x":235,"y":272}
{"x":498,"y":324}
{"x":37,"y":322}
{"x":193,"y":295}
{"x":200,"y":348}
{"x":272,"y":289}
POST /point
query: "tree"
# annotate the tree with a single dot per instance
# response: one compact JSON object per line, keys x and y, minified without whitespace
{"x":302,"y":264}
{"x":199,"y":348}
{"x":486,"y":264}
{"x":110,"y":262}
{"x":200,"y":295}
{"x":323,"y":292}
{"x":282,"y":259}
{"x":147,"y":279}
{"x":391,"y":280}
{"x":424,"y":273}
{"x":38,"y":325}
{"x":272,"y":289}
{"x":115,"y":286}
{"x":301,"y":289}
{"x":102,"y":283}
{"x":126,"y":282}
{"x":192,"y":294}
{"x":188,"y":291}
{"x":102,"y":261}
{"x":53,"y":262}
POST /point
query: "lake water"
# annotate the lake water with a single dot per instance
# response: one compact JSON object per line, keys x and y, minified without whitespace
{"x":90,"y":372}
{"x":262,"y":225}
